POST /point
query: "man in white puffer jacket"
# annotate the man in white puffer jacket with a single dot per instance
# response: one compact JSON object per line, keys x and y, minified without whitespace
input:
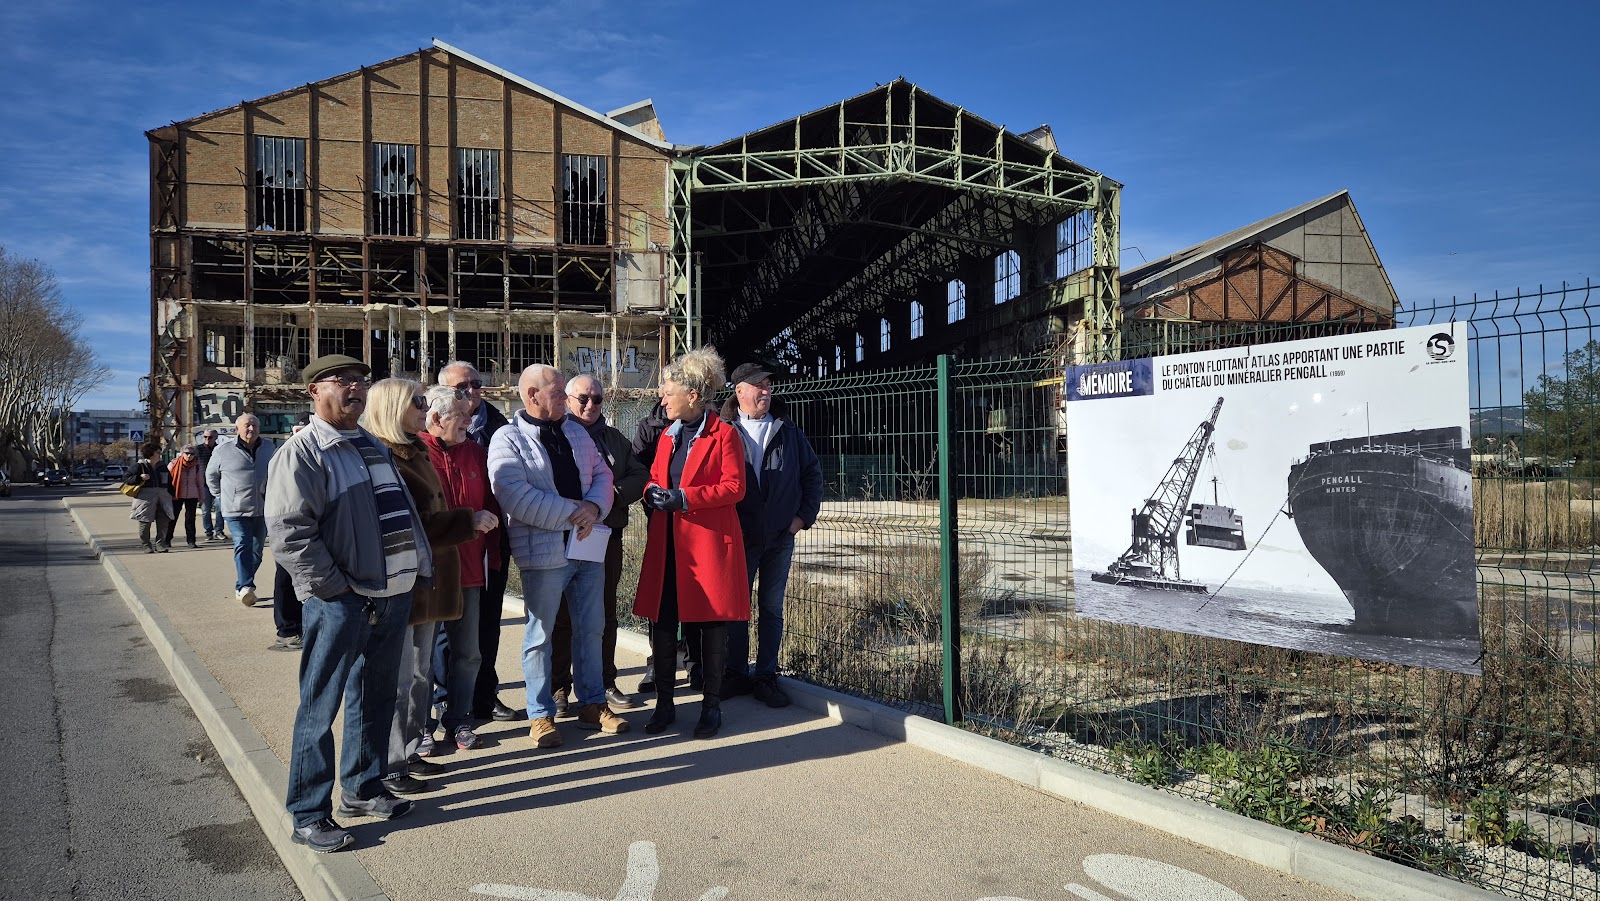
{"x":551,"y":480}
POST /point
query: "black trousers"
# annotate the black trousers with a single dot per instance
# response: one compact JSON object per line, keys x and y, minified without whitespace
{"x":487,"y":691}
{"x":708,"y":641}
{"x":286,"y":606}
{"x":186,"y":506}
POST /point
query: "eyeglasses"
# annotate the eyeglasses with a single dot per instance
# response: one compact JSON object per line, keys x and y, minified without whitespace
{"x":585,"y":399}
{"x":420,"y":402}
{"x":462,"y":394}
{"x":349,"y":381}
{"x":469,"y":383}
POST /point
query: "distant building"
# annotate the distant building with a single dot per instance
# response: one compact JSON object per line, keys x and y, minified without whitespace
{"x":106,"y":426}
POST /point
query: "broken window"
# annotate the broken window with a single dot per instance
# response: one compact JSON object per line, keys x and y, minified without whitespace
{"x":917,"y":325}
{"x":225,"y":346}
{"x":477,"y":194}
{"x":528,"y":349}
{"x":583,"y":199}
{"x":1074,"y":243}
{"x":955,"y":307}
{"x":883,"y":334}
{"x":1007,"y":276}
{"x":394,"y":189}
{"x":280,"y":184}
{"x":861,"y":347}
{"x":279,"y":347}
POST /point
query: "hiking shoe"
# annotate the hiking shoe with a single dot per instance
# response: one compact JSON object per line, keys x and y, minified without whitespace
{"x":618,"y":698}
{"x":324,"y":836}
{"x":767,"y":692}
{"x":466,"y":739}
{"x":384,"y":807}
{"x":600,"y":716}
{"x":401,"y":784}
{"x":563,"y":703}
{"x":287,"y":643}
{"x":543,"y":732}
{"x":246,"y":595}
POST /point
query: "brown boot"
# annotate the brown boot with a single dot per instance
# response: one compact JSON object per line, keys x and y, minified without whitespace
{"x":543,"y":732}
{"x":600,"y":716}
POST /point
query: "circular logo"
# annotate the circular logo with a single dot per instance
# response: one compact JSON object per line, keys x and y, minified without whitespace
{"x":1441,"y":346}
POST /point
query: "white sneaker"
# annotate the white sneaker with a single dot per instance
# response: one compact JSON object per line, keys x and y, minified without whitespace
{"x":247,"y":596}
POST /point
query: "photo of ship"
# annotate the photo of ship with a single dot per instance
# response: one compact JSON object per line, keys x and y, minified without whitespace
{"x":1372,"y":512}
{"x":1312,"y":494}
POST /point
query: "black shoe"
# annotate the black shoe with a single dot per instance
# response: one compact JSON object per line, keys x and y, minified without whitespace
{"x":324,"y":836}
{"x":193,"y":545}
{"x":619,"y":700}
{"x":647,"y":685}
{"x":504,"y":714}
{"x":735,"y":684}
{"x":663,"y":717}
{"x":697,"y":679}
{"x":563,"y":699}
{"x":384,"y":807}
{"x":710,"y":722}
{"x":767,"y":692}
{"x":404,"y":784}
{"x":422,"y":769}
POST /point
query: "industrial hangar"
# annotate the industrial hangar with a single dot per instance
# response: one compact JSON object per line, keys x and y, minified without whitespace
{"x":436,"y":207}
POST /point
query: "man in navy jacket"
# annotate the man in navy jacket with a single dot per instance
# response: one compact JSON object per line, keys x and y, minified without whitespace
{"x":782,"y":497}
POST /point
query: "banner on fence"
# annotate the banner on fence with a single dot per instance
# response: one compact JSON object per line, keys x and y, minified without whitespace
{"x":1312,"y":494}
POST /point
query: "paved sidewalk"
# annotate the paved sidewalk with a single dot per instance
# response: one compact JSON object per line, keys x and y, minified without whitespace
{"x":783,"y":804}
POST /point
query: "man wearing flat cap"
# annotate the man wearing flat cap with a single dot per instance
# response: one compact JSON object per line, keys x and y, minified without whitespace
{"x":783,"y":495}
{"x":346,"y":530}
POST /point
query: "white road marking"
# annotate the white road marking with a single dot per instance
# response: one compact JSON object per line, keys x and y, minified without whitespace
{"x":1152,"y":880}
{"x":638,"y":885}
{"x":1086,"y":893}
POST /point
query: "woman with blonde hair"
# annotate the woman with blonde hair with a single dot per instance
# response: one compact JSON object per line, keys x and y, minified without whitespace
{"x":694,"y":570}
{"x":397,"y":410}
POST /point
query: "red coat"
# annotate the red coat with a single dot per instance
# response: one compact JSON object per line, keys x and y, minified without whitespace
{"x":464,"y":472}
{"x":712,"y":584}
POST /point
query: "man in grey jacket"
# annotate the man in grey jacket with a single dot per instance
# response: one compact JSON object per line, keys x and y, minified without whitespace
{"x":553,"y":486}
{"x":345,"y":528}
{"x":237,"y":478}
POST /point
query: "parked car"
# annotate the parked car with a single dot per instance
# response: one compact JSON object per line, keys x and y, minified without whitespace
{"x":115,"y":472}
{"x":56,"y":477}
{"x":83,"y":471}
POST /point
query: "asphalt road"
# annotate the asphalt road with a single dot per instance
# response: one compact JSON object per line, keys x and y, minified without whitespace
{"x":112,"y":789}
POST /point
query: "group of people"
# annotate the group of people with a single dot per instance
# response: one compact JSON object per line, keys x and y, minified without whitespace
{"x":394,"y":513}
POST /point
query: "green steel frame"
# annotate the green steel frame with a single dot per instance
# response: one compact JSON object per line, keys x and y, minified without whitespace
{"x":800,"y":182}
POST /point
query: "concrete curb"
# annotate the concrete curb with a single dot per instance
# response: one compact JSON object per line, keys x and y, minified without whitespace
{"x":1288,"y":852}
{"x":262,"y":778}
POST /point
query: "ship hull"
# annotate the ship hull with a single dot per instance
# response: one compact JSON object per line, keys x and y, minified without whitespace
{"x":1395,"y":532}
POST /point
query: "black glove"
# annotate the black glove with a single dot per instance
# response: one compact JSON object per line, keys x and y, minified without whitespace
{"x":667,"y":500}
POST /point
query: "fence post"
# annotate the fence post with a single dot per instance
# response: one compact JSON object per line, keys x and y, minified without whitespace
{"x":949,"y":549}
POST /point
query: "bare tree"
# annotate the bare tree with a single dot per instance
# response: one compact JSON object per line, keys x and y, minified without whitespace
{"x":46,"y":366}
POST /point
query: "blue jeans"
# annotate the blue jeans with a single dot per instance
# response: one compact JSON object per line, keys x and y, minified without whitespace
{"x":249,"y":535}
{"x":582,"y":581}
{"x":210,"y":511}
{"x":772,"y":565}
{"x":351,"y":657}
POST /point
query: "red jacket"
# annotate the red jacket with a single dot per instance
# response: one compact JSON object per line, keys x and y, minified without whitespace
{"x":464,"y":472}
{"x":712,"y":584}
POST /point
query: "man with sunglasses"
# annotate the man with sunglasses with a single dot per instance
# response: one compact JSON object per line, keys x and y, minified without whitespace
{"x":344,"y":526}
{"x":585,"y":397}
{"x":486,"y":419}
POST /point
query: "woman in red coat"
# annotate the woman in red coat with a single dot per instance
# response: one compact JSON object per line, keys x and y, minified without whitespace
{"x":693,"y":570}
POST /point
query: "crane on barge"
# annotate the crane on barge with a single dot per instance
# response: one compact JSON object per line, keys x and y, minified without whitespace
{"x":1151,"y":561}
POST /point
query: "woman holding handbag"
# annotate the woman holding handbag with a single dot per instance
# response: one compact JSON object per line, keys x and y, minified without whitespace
{"x":694,"y":570}
{"x":150,"y":486}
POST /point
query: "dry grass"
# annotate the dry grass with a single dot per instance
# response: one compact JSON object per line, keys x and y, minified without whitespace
{"x":1521,"y":514}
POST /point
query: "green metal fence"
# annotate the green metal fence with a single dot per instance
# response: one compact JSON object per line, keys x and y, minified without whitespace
{"x":939,"y":579}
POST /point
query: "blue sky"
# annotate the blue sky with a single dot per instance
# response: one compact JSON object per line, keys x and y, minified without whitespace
{"x":1467,"y":138}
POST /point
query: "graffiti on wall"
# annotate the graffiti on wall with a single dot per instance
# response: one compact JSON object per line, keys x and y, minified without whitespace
{"x":636,"y":363}
{"x":217,"y":408}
